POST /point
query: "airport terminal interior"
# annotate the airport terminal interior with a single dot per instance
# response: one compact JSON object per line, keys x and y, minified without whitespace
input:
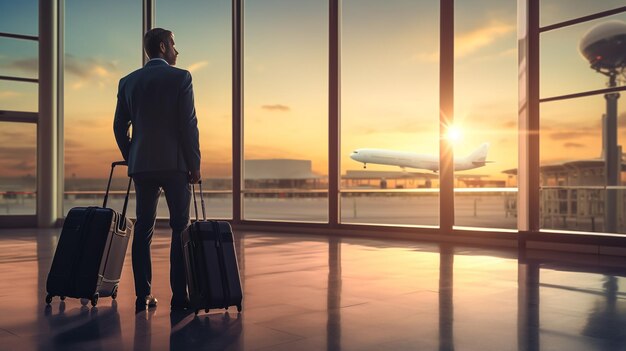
{"x":399,"y":175}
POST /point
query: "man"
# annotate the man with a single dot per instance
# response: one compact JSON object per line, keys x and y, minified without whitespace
{"x":163,"y":153}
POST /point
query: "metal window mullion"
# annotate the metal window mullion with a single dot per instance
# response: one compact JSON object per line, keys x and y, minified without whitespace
{"x":20,"y":79}
{"x":237,"y":108}
{"x":334,"y":123}
{"x":18,"y":36}
{"x":583,"y":19}
{"x":446,"y":115}
{"x":528,"y":136}
{"x":583,"y":94}
{"x":18,"y":116}
{"x":60,"y":108}
{"x":148,"y":16}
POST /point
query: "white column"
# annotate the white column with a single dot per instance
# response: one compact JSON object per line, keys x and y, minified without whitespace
{"x":47,"y":127}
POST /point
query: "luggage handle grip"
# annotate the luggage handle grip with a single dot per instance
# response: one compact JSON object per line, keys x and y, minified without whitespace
{"x":195,"y":203}
{"x":122,"y":222}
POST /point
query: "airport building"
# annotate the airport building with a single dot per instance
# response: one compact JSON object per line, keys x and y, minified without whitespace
{"x":398,"y":175}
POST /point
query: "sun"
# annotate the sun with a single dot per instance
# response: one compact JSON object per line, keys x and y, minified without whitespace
{"x":454,"y":134}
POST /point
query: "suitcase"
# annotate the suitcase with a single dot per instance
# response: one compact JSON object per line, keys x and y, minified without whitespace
{"x":211,"y":265}
{"x":90,"y":253}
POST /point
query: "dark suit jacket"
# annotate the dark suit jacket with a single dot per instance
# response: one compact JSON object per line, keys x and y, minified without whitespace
{"x":157,"y":100}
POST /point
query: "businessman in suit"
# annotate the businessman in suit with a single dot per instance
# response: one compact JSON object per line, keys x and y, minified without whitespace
{"x":163,"y":152}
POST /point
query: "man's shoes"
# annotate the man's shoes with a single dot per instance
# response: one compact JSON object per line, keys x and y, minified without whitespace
{"x":142,"y":302}
{"x":180,"y":304}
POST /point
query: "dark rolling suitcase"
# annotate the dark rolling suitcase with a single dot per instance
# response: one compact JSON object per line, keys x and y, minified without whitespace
{"x":211,"y":265}
{"x":90,"y":253}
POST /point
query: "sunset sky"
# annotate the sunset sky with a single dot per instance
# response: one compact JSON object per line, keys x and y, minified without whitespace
{"x":389,"y":79}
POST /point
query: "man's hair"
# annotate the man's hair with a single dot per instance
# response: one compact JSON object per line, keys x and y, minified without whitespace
{"x":153,"y":39}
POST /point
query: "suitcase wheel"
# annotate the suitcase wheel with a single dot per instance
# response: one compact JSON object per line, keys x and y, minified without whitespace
{"x":238,"y":308}
{"x":62,"y":298}
{"x":48,"y":299}
{"x":114,"y":293}
{"x":206,"y":310}
{"x":196,"y":312}
{"x":94,"y":299}
{"x":84,"y":302}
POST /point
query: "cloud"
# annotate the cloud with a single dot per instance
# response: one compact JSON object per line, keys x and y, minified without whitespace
{"x":196,"y":66}
{"x":30,"y":65}
{"x":276,"y":107}
{"x":396,"y":127}
{"x":425,"y":57}
{"x":7,"y":94}
{"x":573,"y":145}
{"x":17,"y":158}
{"x":471,"y":41}
{"x":73,"y":144}
{"x":21,"y":166}
{"x":90,"y":70}
{"x":571,"y":135}
{"x":15,"y":135}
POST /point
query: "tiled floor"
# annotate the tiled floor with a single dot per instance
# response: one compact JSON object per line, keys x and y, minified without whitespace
{"x":327,"y":293}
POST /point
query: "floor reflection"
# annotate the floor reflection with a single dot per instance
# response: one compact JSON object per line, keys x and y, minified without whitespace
{"x":446,"y":301}
{"x":95,"y":328}
{"x":333,"y":324}
{"x":205,"y":332}
{"x":331,"y":293}
{"x":607,"y":319}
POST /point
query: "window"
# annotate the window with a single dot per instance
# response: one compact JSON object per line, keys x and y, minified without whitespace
{"x":18,"y":161}
{"x":389,"y":101}
{"x":202,"y":33}
{"x":102,"y":44}
{"x":581,"y":134}
{"x":485,"y":115}
{"x":285,"y":141}
{"x":19,"y":71}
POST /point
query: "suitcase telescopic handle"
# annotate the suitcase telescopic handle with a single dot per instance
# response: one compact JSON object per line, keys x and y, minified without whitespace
{"x":106,"y":195}
{"x":195,"y":203}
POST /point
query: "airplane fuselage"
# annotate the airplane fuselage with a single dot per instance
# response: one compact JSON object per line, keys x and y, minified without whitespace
{"x":406,"y":159}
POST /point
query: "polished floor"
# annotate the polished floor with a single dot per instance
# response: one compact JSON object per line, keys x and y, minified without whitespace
{"x":328,"y":293}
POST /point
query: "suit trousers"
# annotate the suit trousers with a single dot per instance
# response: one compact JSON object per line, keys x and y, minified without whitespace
{"x":177,"y":191}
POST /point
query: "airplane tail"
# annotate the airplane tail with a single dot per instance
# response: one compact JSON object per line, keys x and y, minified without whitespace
{"x":479,"y":157}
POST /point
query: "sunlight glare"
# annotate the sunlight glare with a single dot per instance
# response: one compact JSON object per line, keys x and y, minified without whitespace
{"x":454,"y":134}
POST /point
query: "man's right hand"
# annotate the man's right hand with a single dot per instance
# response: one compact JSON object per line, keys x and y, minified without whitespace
{"x":195,"y":177}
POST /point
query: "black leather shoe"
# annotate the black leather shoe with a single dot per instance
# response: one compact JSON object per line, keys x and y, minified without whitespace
{"x":142,"y":302}
{"x":180,"y":304}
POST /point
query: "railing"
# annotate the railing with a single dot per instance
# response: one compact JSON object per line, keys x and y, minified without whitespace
{"x":573,"y":208}
{"x":580,"y":207}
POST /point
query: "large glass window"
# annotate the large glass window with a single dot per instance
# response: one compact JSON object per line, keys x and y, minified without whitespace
{"x":18,"y":103}
{"x":390,"y":111}
{"x":581,"y":154}
{"x":102,"y":44}
{"x":286,"y":110}
{"x":18,"y":162}
{"x":573,"y":182}
{"x":202,"y":31}
{"x":485,"y":114}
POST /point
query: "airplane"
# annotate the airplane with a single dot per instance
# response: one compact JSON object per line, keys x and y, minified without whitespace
{"x":405,"y":159}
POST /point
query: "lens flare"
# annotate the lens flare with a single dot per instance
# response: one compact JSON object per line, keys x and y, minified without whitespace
{"x":454,"y":133}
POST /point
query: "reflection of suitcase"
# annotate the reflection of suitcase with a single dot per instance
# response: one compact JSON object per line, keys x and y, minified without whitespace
{"x":211,"y":263}
{"x":90,"y":253}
